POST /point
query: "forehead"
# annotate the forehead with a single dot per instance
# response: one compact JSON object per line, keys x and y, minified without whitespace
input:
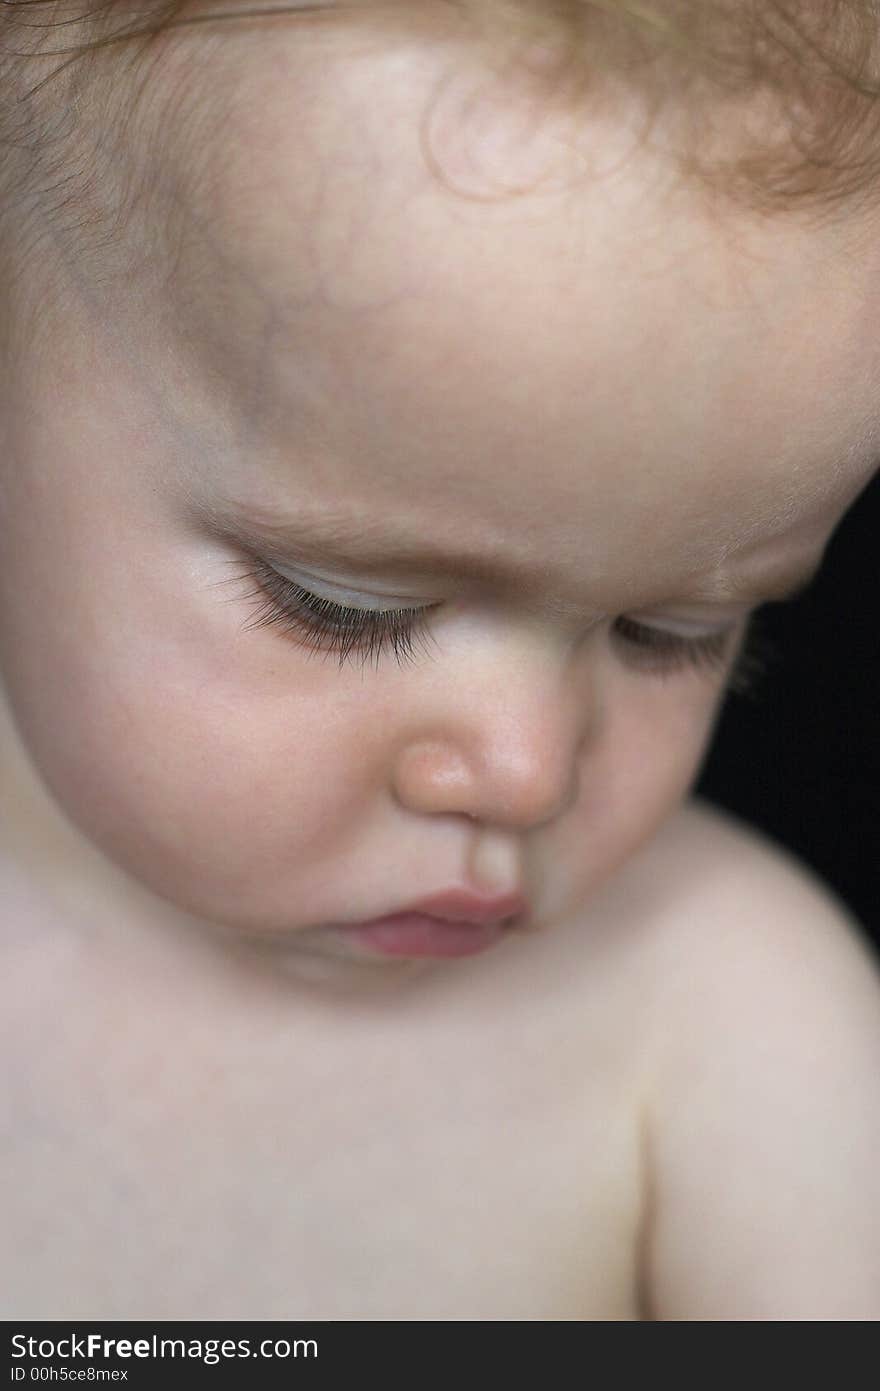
{"x":600,"y":353}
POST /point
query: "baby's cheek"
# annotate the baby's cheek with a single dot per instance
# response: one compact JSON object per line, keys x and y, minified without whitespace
{"x":211,"y":793}
{"x":662,"y":736}
{"x":235,"y":797}
{"x":638,"y":771}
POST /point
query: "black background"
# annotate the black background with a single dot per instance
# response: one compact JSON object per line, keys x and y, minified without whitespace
{"x":800,"y":757}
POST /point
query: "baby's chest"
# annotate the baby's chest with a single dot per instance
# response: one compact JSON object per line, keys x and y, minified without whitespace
{"x":302,"y":1186}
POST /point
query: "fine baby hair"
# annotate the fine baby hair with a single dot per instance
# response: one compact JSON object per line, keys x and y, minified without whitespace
{"x":773,"y":105}
{"x":774,"y":108}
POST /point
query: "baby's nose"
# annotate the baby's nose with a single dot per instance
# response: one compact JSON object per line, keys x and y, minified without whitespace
{"x":508,"y":755}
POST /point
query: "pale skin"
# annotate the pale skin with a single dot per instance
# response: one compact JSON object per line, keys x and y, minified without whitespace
{"x":660,"y":1098}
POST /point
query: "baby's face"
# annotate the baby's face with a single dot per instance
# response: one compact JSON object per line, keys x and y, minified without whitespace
{"x":545,"y":453}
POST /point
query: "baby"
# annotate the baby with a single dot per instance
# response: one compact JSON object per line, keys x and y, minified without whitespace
{"x":396,"y":435}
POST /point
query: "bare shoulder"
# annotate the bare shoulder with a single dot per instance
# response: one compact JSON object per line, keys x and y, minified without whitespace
{"x":750,"y":950}
{"x":727,"y":893}
{"x":764,"y":1098}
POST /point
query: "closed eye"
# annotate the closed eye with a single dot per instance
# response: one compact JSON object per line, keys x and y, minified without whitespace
{"x":323,"y":625}
{"x":662,"y":651}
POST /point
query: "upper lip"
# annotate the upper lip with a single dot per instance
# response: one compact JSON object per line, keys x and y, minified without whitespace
{"x":462,"y":906}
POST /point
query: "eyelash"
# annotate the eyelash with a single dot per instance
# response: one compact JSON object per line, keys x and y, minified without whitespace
{"x":331,"y":627}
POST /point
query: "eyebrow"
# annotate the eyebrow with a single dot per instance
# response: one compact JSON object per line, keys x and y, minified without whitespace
{"x":373,"y":547}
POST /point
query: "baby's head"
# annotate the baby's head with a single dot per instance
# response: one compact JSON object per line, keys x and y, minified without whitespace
{"x":395,"y":442}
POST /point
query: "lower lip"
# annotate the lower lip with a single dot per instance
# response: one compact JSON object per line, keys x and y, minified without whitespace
{"x":416,"y":934}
